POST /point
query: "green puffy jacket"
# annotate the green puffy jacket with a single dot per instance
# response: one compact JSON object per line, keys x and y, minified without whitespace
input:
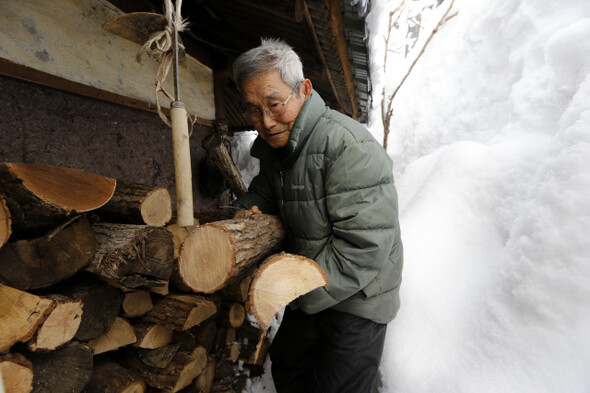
{"x":333,"y":188}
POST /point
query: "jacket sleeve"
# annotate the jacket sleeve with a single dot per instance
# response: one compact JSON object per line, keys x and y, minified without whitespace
{"x":260,"y":193}
{"x":362,"y":206}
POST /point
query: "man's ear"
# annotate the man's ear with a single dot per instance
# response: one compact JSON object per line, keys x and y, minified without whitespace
{"x":306,"y":89}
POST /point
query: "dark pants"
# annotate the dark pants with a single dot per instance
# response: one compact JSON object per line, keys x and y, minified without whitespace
{"x":328,"y":352}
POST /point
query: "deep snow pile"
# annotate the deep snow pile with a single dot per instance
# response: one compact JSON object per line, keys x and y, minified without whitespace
{"x":491,"y":143}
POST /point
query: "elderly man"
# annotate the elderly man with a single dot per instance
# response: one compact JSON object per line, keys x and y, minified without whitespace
{"x":331,"y":184}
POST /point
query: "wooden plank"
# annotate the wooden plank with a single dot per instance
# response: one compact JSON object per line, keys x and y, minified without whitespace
{"x":65,"y":39}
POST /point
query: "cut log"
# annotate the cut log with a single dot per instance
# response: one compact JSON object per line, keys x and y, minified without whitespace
{"x":102,"y":304}
{"x":207,"y":216}
{"x":111,"y":377}
{"x":20,"y":315}
{"x":204,"y":381}
{"x":239,"y":292}
{"x":158,"y":357}
{"x":41,"y":262}
{"x":152,"y":336}
{"x":182,"y":369}
{"x":235,"y":384}
{"x":41,"y":196}
{"x":120,"y":334}
{"x":254,"y":352}
{"x":178,"y":235}
{"x":218,"y":154}
{"x":125,"y":251}
{"x":65,"y":370}
{"x":231,"y":352}
{"x":134,"y":203}
{"x":16,"y":374}
{"x":231,"y":314}
{"x":60,"y":326}
{"x":5,"y":221}
{"x":180,"y":312}
{"x":280,"y":279}
{"x":136,"y":303}
{"x":220,"y":254}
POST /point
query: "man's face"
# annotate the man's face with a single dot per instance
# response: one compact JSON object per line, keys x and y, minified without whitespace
{"x":268,"y":89}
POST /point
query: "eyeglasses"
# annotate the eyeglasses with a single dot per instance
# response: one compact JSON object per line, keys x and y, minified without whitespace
{"x":274,"y":109}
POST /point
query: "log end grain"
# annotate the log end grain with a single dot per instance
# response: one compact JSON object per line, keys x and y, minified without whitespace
{"x":60,"y":326}
{"x":206,"y":259}
{"x":86,"y":191}
{"x":280,"y":279}
{"x":16,"y":374}
{"x":5,"y":222}
{"x":156,"y":208}
{"x":120,"y":334}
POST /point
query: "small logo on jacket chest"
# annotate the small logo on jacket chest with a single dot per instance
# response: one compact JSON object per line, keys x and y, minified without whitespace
{"x":297,"y":186}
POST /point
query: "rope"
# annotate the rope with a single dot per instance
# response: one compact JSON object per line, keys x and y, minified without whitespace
{"x":159,"y":46}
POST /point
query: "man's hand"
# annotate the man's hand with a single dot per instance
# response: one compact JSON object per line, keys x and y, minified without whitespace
{"x":247,"y":213}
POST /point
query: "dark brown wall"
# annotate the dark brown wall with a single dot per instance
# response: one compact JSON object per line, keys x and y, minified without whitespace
{"x":41,"y":125}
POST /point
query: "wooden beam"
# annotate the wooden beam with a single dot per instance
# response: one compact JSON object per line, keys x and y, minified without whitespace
{"x":337,"y":27}
{"x":318,"y":47}
{"x":18,"y":71}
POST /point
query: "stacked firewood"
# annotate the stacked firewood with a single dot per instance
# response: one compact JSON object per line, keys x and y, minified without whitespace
{"x":100,"y":293}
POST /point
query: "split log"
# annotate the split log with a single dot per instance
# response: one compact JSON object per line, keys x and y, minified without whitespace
{"x":136,"y":303}
{"x":180,"y":371}
{"x":230,"y":385}
{"x":102,"y":304}
{"x":5,"y":221}
{"x":220,"y":254}
{"x":152,"y":336}
{"x":20,"y":315}
{"x":254,"y":352}
{"x":16,"y":373}
{"x":181,"y":312}
{"x":158,"y":357}
{"x":280,"y":279}
{"x":42,"y":196}
{"x":205,"y":335}
{"x":60,"y":326}
{"x":125,"y":251}
{"x":219,"y":155}
{"x":239,"y":292}
{"x":231,"y":352}
{"x":204,"y":381}
{"x":111,"y":377}
{"x":178,"y":235}
{"x":41,"y":262}
{"x":65,"y":370}
{"x":120,"y":334}
{"x":134,"y":203}
{"x":231,"y":314}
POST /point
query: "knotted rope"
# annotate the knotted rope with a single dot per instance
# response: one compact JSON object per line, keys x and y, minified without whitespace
{"x":159,"y":46}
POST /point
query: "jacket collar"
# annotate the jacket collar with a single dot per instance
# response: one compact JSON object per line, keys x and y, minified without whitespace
{"x":310,"y":113}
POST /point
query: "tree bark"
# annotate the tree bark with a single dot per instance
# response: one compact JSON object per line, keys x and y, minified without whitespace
{"x":41,"y":262}
{"x":120,"y":334}
{"x":42,"y":196}
{"x":221,"y":158}
{"x":110,"y":377}
{"x":219,"y":254}
{"x":60,"y":326}
{"x":134,"y":203}
{"x":20,"y":315}
{"x":280,"y":279}
{"x":101,"y":307}
{"x":65,"y":370}
{"x":181,"y":312}
{"x":125,"y":251}
{"x":16,"y":373}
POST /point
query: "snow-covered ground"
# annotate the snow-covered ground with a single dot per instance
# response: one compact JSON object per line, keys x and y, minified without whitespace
{"x":490,"y":138}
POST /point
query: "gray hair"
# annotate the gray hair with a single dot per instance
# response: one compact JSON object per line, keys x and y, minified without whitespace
{"x":272,"y":54}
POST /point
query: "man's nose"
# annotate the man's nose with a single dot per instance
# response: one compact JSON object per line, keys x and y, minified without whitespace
{"x":267,"y":119}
